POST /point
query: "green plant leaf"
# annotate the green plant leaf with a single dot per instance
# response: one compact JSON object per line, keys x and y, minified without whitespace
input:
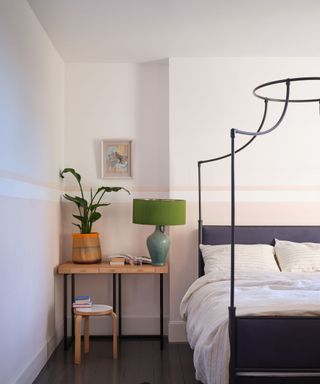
{"x":112,"y":189}
{"x":70,"y":198}
{"x":95,"y":206}
{"x":80,"y":218}
{"x":94,"y":217}
{"x":77,"y":200}
{"x":72,"y":171}
{"x":77,"y":225}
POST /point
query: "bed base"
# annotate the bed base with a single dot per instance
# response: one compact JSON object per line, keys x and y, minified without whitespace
{"x":265,"y":345}
{"x":285,"y":343}
{"x":277,"y":380}
{"x":277,"y":344}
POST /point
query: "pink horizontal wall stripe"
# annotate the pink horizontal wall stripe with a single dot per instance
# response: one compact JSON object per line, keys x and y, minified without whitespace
{"x":30,"y":180}
{"x":249,"y":188}
{"x":61,"y":187}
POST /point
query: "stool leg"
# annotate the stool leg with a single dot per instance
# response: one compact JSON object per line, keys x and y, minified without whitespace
{"x":77,"y":349}
{"x":86,"y":334}
{"x":115,"y":335}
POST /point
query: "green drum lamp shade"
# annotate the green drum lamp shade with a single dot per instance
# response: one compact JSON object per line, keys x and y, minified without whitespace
{"x":159,"y":212}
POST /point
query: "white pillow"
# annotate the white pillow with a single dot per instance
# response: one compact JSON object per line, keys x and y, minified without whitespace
{"x":248,"y":258}
{"x":298,"y":257}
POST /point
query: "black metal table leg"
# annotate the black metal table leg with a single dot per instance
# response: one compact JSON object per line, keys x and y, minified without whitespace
{"x":114,"y":291}
{"x":65,"y":311}
{"x":161,"y":311}
{"x":119,"y":300}
{"x":72,"y":298}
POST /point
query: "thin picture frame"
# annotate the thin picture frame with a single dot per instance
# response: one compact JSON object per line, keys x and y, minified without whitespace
{"x":116,"y":162}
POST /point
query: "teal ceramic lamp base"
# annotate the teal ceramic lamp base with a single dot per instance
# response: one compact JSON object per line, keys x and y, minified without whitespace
{"x":158,"y":245}
{"x":159,"y":212}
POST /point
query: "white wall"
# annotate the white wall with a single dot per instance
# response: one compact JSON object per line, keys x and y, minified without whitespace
{"x":31,"y":152}
{"x":123,"y":101}
{"x":119,"y":101}
{"x":277,"y":176}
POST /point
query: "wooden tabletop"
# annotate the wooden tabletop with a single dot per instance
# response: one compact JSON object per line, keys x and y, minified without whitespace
{"x":104,"y":267}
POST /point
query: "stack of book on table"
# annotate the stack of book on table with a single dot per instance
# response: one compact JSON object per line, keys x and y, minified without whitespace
{"x":117,"y":260}
{"x":144,"y":259}
{"x":121,"y":259}
{"x":82,"y":302}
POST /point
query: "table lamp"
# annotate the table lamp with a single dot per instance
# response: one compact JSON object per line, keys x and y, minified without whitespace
{"x":159,"y":212}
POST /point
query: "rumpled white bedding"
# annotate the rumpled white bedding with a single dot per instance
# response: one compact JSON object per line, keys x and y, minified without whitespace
{"x":205,"y":308}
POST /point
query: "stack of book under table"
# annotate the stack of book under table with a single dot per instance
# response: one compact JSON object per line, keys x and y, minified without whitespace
{"x":82,"y":302}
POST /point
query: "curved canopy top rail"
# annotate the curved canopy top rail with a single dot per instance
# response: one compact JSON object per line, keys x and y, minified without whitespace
{"x":291,"y":80}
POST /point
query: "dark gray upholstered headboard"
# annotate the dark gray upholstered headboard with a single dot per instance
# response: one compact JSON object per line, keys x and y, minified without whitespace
{"x":216,"y":234}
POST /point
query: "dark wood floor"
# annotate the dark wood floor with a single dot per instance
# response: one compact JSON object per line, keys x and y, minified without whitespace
{"x":140,"y":361}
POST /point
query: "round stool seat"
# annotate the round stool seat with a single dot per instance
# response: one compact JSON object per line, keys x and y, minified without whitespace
{"x":95,"y":310}
{"x":85,"y":314}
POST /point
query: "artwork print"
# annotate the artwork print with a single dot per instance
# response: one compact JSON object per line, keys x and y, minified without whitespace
{"x":116,"y":158}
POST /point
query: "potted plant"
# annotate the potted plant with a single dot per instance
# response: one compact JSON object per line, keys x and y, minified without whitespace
{"x":86,"y":244}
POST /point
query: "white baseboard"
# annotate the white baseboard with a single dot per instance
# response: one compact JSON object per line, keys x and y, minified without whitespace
{"x":177,"y":332}
{"x":32,"y":370}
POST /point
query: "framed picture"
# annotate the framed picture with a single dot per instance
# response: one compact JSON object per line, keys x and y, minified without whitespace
{"x":116,"y":159}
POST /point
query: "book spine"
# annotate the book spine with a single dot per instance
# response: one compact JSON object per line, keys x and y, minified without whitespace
{"x":82,"y":305}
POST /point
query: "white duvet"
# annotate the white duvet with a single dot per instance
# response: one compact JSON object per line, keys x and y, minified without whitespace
{"x":205,"y":308}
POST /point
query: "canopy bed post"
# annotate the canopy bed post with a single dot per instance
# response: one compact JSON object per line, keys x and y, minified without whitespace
{"x":232,"y":308}
{"x":200,"y":261}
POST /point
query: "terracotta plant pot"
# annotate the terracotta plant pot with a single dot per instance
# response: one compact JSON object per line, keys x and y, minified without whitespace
{"x":86,"y":248}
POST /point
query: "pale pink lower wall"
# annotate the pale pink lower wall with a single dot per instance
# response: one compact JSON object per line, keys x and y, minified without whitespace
{"x":31,"y":292}
{"x":141,"y":294}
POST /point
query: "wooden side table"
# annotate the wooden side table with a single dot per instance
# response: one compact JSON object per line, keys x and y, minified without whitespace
{"x":70,"y":268}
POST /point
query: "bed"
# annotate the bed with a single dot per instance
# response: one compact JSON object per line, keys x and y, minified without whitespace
{"x":270,"y":334}
{"x":265,"y":341}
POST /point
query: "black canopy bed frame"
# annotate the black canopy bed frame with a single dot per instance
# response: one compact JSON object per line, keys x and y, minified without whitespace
{"x":265,"y":349}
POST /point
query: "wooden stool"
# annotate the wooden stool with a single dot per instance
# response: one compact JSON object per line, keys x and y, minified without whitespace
{"x":95,"y":310}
